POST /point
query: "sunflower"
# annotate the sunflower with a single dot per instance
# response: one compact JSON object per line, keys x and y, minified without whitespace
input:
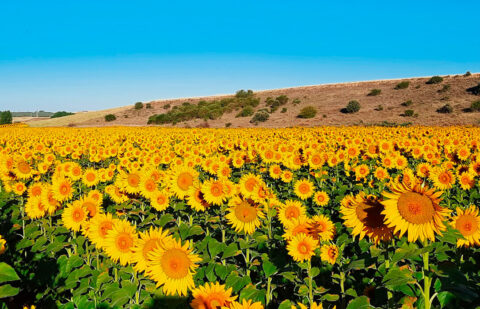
{"x":468,"y":223}
{"x":213,"y":191}
{"x":466,"y":180}
{"x":381,"y":173}
{"x":287,"y":176}
{"x":74,"y":216}
{"x":120,"y":241}
{"x":62,"y":189}
{"x":415,"y":210}
{"x":97,"y":228}
{"x":35,"y":189}
{"x":244,"y":215}
{"x":181,"y":179}
{"x":19,"y":188}
{"x":148,"y":186}
{"x":321,"y":198}
{"x":246,"y":305}
{"x":195,"y":199}
{"x":146,"y":243}
{"x":22,"y":169}
{"x":290,"y":210}
{"x":363,"y":214}
{"x":275,"y":171}
{"x":361,"y":171}
{"x":173,"y":267}
{"x":116,"y":194}
{"x":160,"y":200}
{"x":48,"y":199}
{"x":296,"y":226}
{"x":320,"y":227}
{"x":248,"y":182}
{"x":35,"y":208}
{"x":90,"y":177}
{"x":302,"y":247}
{"x":303,"y":188}
{"x":329,"y":253}
{"x":212,"y":296}
{"x":442,"y":178}
{"x":3,"y":243}
{"x":91,"y":205}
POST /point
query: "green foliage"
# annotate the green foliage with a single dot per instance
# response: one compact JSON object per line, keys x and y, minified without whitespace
{"x":467,"y":74}
{"x":445,"y":88}
{"x":409,"y":113}
{"x":374,"y":92}
{"x":260,"y":116}
{"x":206,"y":110}
{"x":402,"y":85}
{"x":407,"y":103}
{"x":110,"y":117}
{"x":138,"y":105}
{"x":379,"y":108}
{"x":228,"y":125}
{"x":474,"y":90}
{"x":166,"y":106}
{"x":247,"y":111}
{"x":61,"y":114}
{"x":284,"y":110}
{"x":352,"y":107}
{"x":307,"y":112}
{"x":5,"y":117}
{"x":435,"y":80}
{"x":475,"y":106}
{"x":296,"y":101}
{"x":242,"y":94}
{"x":446,"y":109}
{"x":148,"y":106}
{"x":274,"y":104}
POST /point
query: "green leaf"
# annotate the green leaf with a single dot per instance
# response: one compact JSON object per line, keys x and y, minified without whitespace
{"x":269,"y":268}
{"x":331,"y":297}
{"x":253,"y":293}
{"x":236,"y":282}
{"x":231,"y":250}
{"x":315,"y":272}
{"x":286,"y":304}
{"x":7,"y":273}
{"x":445,"y":298}
{"x":451,"y":235}
{"x":7,"y":290}
{"x":102,"y":278}
{"x":164,"y":219}
{"x":221,"y":271}
{"x":397,"y":276}
{"x":359,"y":303}
{"x":215,"y":247}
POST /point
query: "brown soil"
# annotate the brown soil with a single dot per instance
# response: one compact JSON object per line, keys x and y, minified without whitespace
{"x":328,"y":100}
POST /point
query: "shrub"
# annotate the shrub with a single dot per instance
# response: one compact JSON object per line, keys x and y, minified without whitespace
{"x":417,"y":87}
{"x":444,"y":89}
{"x":166,"y":106}
{"x":260,"y":116}
{"x":374,"y":92}
{"x":110,"y":117}
{"x":245,"y":112}
{"x":228,"y":124}
{"x":307,"y":112}
{"x":148,"y":105}
{"x":61,"y":114}
{"x":296,"y":101}
{"x":284,"y":110}
{"x":475,"y":106}
{"x":468,"y":74}
{"x":138,"y":105}
{"x":6,"y":117}
{"x":243,"y":94}
{"x":379,"y":108}
{"x":474,"y":90}
{"x":446,"y":109}
{"x":409,"y":113}
{"x":274,"y":104}
{"x":407,"y":103}
{"x":352,"y":107}
{"x":435,"y":80}
{"x":402,"y":85}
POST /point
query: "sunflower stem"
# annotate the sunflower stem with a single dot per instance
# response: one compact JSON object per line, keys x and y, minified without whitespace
{"x":310,"y":282}
{"x":223,"y":241}
{"x":426,"y":281}
{"x":247,"y":255}
{"x":269,"y":287}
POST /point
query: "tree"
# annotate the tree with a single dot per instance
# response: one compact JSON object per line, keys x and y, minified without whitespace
{"x":5,"y":117}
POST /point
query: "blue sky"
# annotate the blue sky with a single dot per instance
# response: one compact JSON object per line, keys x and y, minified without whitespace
{"x":88,"y":55}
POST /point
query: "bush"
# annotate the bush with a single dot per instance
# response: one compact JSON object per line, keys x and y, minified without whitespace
{"x":474,"y":90}
{"x":446,"y":109}
{"x":274,"y":104}
{"x":242,"y":94}
{"x":374,"y":92}
{"x":110,"y":117}
{"x":6,"y":117}
{"x":148,"y":105}
{"x":245,"y":112}
{"x":475,"y":106}
{"x":444,"y":89}
{"x":407,"y":103}
{"x":284,"y":110}
{"x":260,"y":117}
{"x":468,"y":74}
{"x":379,"y":108}
{"x":307,"y":112}
{"x":138,"y":105}
{"x":296,"y":101}
{"x":435,"y":80}
{"x":409,"y":113}
{"x":352,"y":107}
{"x":166,"y":106}
{"x":228,"y":124}
{"x":402,"y":85}
{"x":61,"y":114}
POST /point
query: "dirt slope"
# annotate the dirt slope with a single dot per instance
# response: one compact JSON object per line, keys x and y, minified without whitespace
{"x":329,"y":100}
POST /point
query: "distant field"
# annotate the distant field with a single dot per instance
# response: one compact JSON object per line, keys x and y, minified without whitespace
{"x":382,"y":102}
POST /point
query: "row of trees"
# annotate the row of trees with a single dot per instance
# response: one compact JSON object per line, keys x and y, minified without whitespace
{"x":5,"y":117}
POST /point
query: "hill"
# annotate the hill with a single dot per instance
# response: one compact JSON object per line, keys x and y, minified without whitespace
{"x":382,"y":102}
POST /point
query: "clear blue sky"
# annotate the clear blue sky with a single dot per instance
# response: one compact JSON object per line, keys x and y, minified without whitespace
{"x":87,"y":55}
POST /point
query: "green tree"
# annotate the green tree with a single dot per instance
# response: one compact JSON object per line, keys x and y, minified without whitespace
{"x":5,"y":117}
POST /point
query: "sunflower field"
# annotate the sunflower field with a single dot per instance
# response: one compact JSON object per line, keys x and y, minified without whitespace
{"x":351,"y":217}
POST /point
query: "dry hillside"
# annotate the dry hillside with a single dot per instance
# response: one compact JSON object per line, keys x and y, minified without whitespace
{"x":328,"y":100}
